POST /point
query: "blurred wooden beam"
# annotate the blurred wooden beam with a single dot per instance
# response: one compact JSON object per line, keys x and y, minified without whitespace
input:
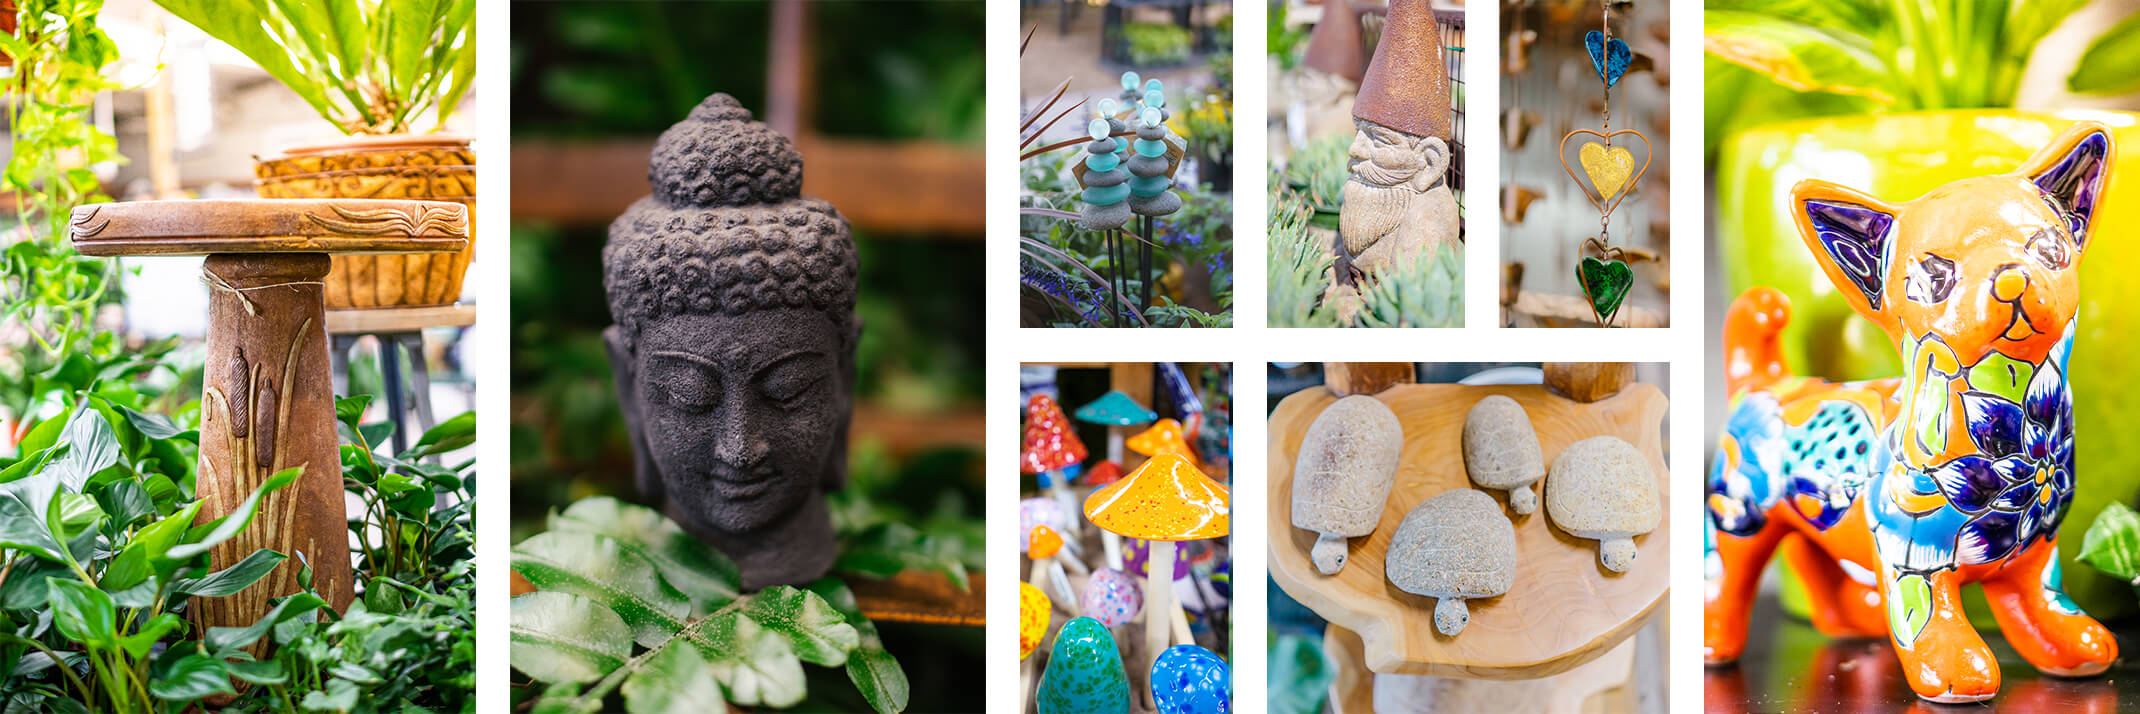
{"x":921,"y":597}
{"x":904,"y":432}
{"x":897,"y":188}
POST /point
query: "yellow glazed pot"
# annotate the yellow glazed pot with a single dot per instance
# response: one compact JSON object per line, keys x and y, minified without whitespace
{"x":421,"y":166}
{"x":1899,"y":157}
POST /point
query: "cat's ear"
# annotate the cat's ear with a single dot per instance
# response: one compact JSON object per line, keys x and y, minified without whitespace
{"x":1852,"y":236}
{"x":2071,"y":171}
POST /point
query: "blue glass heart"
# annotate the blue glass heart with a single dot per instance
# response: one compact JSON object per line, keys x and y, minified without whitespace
{"x":1189,"y":679}
{"x":1608,"y":57}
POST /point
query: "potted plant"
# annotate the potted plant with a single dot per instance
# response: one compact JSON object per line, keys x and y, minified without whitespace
{"x":1896,"y":99}
{"x":375,"y":70}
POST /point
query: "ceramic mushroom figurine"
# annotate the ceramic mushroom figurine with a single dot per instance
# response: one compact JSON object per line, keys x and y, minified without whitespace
{"x":1114,"y":410}
{"x":1111,"y":596}
{"x":1501,"y":450}
{"x":1164,"y":501}
{"x":1453,"y":547}
{"x":1602,"y":488}
{"x":1398,"y":207}
{"x":1051,"y":445}
{"x":734,"y":347}
{"x":1084,"y":674}
{"x":1045,"y":549}
{"x":1342,"y":478}
{"x":1189,"y":679}
{"x":1034,"y":613}
{"x":1165,"y":435}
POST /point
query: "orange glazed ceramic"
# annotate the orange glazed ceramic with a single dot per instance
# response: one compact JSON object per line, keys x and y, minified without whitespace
{"x":1165,"y":499}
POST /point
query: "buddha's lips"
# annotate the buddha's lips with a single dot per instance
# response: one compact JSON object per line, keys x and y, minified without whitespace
{"x":737,"y":484}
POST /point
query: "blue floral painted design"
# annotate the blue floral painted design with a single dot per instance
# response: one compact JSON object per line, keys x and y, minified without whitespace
{"x":2020,"y":483}
{"x":1745,"y":482}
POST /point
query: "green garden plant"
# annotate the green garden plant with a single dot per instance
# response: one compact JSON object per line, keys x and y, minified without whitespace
{"x":367,"y":66}
{"x":630,"y":606}
{"x":1770,"y":61}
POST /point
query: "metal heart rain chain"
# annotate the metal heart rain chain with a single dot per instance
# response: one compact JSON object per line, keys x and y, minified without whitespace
{"x":1612,"y":172}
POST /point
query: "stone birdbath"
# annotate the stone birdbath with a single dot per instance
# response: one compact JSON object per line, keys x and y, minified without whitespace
{"x":268,"y":400}
{"x":1164,"y":501}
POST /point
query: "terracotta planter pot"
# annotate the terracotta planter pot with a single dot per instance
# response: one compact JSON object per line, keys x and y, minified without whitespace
{"x":428,"y":166}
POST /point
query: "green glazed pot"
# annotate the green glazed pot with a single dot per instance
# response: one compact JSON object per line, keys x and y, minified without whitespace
{"x":1899,"y":157}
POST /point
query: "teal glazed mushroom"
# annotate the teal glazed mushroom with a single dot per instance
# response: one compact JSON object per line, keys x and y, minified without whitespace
{"x":1084,"y":674}
{"x":1115,"y":409}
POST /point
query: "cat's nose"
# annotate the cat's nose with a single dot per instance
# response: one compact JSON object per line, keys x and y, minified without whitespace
{"x":2010,"y":283}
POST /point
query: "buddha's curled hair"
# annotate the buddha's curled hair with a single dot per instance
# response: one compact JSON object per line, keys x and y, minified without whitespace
{"x":726,"y":231}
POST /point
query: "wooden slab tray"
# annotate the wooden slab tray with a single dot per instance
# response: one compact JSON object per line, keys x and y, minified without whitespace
{"x":1564,"y":609}
{"x":1600,"y":687}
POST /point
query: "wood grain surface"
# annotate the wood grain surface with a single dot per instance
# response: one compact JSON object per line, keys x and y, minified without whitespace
{"x":1601,"y":686}
{"x":1564,"y":609}
{"x":268,"y":225}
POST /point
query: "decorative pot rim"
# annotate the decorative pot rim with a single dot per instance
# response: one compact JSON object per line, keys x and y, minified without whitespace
{"x":372,"y":142}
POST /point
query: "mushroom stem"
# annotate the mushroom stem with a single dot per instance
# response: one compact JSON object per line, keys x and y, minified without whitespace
{"x":1025,"y":680}
{"x":1329,"y":552}
{"x":1451,"y":615}
{"x":1159,"y":606}
{"x":1048,"y":576}
{"x":1061,"y":491}
{"x":1113,"y":545}
{"x":1616,"y":553}
{"x":1071,"y":563}
{"x":1522,"y":500}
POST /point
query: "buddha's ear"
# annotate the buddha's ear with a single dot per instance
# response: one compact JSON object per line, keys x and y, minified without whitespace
{"x":836,"y":472}
{"x":623,"y":369}
{"x":2071,"y":171}
{"x":1851,"y":235}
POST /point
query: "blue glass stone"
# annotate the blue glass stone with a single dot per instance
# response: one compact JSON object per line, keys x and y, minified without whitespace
{"x":1148,"y":147}
{"x":1103,"y":162}
{"x":1149,"y":186}
{"x":1105,"y":195}
{"x":1097,"y":128}
{"x":1154,"y":98}
{"x":1129,"y":80}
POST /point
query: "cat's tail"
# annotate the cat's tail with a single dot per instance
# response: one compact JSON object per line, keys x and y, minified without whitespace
{"x":1753,"y":353}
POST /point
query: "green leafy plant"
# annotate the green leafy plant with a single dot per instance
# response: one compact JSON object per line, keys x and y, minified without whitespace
{"x":1427,"y":293}
{"x":1299,"y":265}
{"x":1155,"y":43}
{"x":2112,"y":544}
{"x":629,"y":605}
{"x":367,"y":66}
{"x":1777,"y":60}
{"x":61,"y":58}
{"x":1287,"y":43}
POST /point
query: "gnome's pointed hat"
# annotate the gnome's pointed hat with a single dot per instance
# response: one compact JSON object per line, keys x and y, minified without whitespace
{"x":1334,"y":46}
{"x":1407,"y":87}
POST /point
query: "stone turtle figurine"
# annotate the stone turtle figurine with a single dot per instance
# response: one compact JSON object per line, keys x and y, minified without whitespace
{"x":1501,"y":450}
{"x":1342,"y":478}
{"x":1455,"y":546}
{"x":734,"y":343}
{"x":1601,"y":488}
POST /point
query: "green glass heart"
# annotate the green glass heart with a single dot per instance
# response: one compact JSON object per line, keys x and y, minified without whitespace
{"x":1606,"y":283}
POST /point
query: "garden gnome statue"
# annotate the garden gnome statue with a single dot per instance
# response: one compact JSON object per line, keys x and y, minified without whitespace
{"x":1398,"y":206}
{"x":734,"y":342}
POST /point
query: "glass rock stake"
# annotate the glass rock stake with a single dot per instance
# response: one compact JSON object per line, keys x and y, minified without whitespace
{"x":734,"y":348}
{"x":268,"y":399}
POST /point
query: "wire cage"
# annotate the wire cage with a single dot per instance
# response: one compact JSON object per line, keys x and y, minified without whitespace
{"x":1451,"y":23}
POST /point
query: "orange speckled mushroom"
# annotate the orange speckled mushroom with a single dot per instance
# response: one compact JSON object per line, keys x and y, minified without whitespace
{"x":1165,"y":499}
{"x":1043,"y":542}
{"x":1165,"y":435}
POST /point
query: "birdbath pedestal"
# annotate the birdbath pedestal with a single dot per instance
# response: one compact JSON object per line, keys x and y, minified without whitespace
{"x":268,"y":398}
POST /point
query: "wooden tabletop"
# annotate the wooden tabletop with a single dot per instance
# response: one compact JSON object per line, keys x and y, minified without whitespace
{"x":1564,"y":609}
{"x":376,"y":320}
{"x":268,"y":225}
{"x":1602,"y":686}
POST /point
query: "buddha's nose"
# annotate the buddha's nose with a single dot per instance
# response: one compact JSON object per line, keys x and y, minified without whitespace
{"x":2010,"y":283}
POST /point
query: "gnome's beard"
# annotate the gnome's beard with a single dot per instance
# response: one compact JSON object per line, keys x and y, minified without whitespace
{"x":1371,"y":212}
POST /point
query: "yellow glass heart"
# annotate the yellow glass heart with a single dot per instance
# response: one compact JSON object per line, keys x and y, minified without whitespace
{"x":1608,"y":167}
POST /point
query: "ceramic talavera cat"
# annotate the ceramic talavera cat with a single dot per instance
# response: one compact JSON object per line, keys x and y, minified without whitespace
{"x":1887,"y":496}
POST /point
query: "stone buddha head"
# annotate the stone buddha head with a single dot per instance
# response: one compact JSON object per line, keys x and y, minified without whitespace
{"x":734,"y":343}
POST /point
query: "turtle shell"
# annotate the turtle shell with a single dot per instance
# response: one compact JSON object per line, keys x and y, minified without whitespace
{"x":1347,"y":463}
{"x":1456,"y":544}
{"x":1500,"y":449}
{"x":1602,"y":487}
